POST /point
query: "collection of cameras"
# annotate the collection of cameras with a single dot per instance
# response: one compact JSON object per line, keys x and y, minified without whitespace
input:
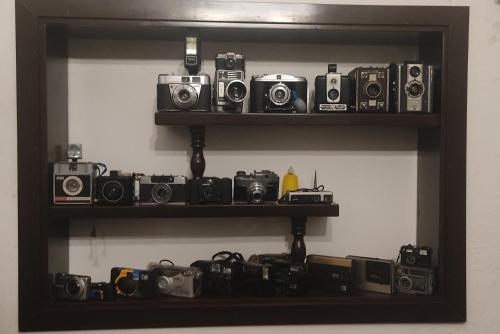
{"x":399,"y":88}
{"x":228,"y":274}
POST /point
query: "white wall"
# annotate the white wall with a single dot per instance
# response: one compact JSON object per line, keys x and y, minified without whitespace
{"x":167,"y":147}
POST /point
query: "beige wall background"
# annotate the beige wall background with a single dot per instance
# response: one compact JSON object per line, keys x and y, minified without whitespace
{"x":483,"y":213}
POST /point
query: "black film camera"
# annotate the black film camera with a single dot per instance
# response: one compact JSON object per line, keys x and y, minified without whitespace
{"x":230,"y":89}
{"x":412,"y":87}
{"x":414,"y":256}
{"x":102,"y":291}
{"x":254,"y":279}
{"x":256,"y":188}
{"x":332,"y":91}
{"x":162,"y":189}
{"x":72,"y":287}
{"x":330,"y":273}
{"x":210,"y":190}
{"x":115,"y":189}
{"x":415,"y":281}
{"x":278,"y":93}
{"x":183,"y":92}
{"x":133,"y":282}
{"x":220,"y":274}
{"x":371,"y":88}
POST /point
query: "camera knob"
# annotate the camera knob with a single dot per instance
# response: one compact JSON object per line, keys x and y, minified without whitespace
{"x":333,"y":81}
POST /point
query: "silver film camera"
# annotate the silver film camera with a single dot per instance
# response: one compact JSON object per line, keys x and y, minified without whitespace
{"x":230,"y":90}
{"x":183,"y":92}
{"x":176,"y":281}
{"x":412,"y":87}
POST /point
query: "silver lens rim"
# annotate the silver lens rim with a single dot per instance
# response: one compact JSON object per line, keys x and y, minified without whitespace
{"x":160,"y":200}
{"x":190,"y":102}
{"x":230,"y":98}
{"x":106,"y":197}
{"x":415,"y":82}
{"x":69,"y":179}
{"x":256,"y":188}
{"x":373,"y":83}
{"x":278,"y":87}
{"x":80,"y":283}
{"x":164,"y":284}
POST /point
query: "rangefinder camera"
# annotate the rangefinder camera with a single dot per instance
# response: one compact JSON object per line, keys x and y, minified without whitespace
{"x":230,"y":90}
{"x":162,"y":189}
{"x":211,"y":190}
{"x":332,"y":91}
{"x":372,"y":274}
{"x":176,"y":281}
{"x":256,"y":188}
{"x":115,"y":189}
{"x":371,"y":88}
{"x":415,"y":281}
{"x":278,"y":93}
{"x":72,"y":287}
{"x":414,"y":256}
{"x":183,"y":93}
{"x":130,"y":282}
{"x":411,"y":87}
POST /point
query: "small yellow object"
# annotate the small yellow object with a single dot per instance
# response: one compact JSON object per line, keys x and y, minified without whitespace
{"x":290,"y":182}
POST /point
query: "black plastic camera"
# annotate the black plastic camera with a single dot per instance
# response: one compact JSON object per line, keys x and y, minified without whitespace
{"x":371,"y":88}
{"x":72,"y":287}
{"x":133,"y":282}
{"x":162,"y":189}
{"x":330,"y":273}
{"x":102,"y":291}
{"x":278,"y":93}
{"x":254,"y":279}
{"x":333,"y":91}
{"x":256,"y":188}
{"x":413,"y":256}
{"x":115,"y":189}
{"x":210,"y":190}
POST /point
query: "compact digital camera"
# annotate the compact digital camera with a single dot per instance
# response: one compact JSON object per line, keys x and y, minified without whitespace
{"x":371,"y":88}
{"x":412,"y":87}
{"x":330,"y":273}
{"x":162,"y":189}
{"x":230,"y":89}
{"x":332,"y":91}
{"x":415,"y":281}
{"x":414,"y":256}
{"x":176,"y":281}
{"x":278,"y":93}
{"x":211,"y":190}
{"x":256,"y":188}
{"x":72,"y":287}
{"x":115,"y":189}
{"x":133,"y":282}
{"x":183,"y":92}
{"x":372,"y":274}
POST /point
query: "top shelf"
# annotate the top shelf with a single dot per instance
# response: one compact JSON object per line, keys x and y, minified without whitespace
{"x":339,"y":119}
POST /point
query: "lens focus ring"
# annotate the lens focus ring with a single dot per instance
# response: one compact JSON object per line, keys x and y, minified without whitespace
{"x":256,"y":192}
{"x":112,"y":191}
{"x":414,"y":89}
{"x":184,"y":96}
{"x":161,"y":193}
{"x":236,"y":91}
{"x":72,"y":185}
{"x":373,"y":89}
{"x":279,"y":94}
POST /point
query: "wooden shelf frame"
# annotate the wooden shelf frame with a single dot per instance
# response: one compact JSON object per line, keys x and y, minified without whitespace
{"x":42,"y":31}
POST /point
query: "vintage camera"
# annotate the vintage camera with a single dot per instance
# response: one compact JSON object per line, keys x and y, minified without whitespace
{"x":308,"y":197}
{"x":230,"y":89}
{"x":211,"y":190}
{"x":414,"y":256}
{"x":278,"y":93}
{"x":332,"y":91}
{"x":372,"y":274}
{"x":415,"y":281}
{"x":220,"y":275}
{"x":72,"y":287}
{"x":254,"y":279}
{"x":130,"y":282}
{"x":256,"y":188}
{"x":411,"y":87}
{"x":176,"y":281}
{"x":102,"y":291}
{"x":330,"y":273}
{"x":183,"y":92}
{"x":73,"y":181}
{"x":115,"y":189}
{"x":162,"y":189}
{"x":371,"y":88}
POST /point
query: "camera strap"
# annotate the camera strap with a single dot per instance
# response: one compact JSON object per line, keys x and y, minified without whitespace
{"x":166,"y":260}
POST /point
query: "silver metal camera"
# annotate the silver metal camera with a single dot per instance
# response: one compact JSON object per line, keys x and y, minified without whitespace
{"x":177,"y":281}
{"x":412,"y":87}
{"x":162,"y":189}
{"x":183,"y":92}
{"x":415,"y":281}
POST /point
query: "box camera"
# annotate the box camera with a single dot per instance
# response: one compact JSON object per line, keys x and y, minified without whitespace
{"x":183,"y":93}
{"x":278,"y":93}
{"x":162,"y":189}
{"x":415,"y":281}
{"x":72,"y":287}
{"x":414,"y":256}
{"x":176,"y":281}
{"x":373,"y":274}
{"x":133,"y":282}
{"x":230,"y":89}
{"x":411,"y":87}
{"x":102,"y":291}
{"x":115,"y":189}
{"x":332,"y":91}
{"x":371,"y":88}
{"x":220,"y":275}
{"x":330,"y":273}
{"x":211,"y":190}
{"x":254,"y":279}
{"x":256,"y":188}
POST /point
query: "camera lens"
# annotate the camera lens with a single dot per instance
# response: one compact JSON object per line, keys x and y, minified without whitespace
{"x":230,"y":63}
{"x":164,"y":284}
{"x":74,"y":288}
{"x":415,"y":71}
{"x":210,"y":194}
{"x":373,"y":89}
{"x":405,"y":283}
{"x":279,"y":94}
{"x":112,"y":191}
{"x":126,"y":285}
{"x":410,"y":259}
{"x":72,"y":185}
{"x":415,"y":89}
{"x":236,"y":91}
{"x":256,"y":192}
{"x":184,"y":96}
{"x":333,"y":94}
{"x":161,"y":193}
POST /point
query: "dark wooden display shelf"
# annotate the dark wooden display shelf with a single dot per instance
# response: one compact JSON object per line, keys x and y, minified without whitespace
{"x":167,"y":211}
{"x":214,"y":118}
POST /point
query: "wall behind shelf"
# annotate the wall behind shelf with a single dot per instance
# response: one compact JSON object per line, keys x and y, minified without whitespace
{"x":483,"y":213}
